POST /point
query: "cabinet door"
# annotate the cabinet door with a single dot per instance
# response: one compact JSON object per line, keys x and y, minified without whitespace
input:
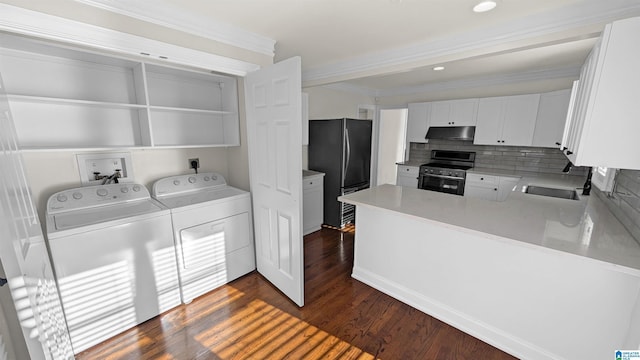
{"x":312,"y":205}
{"x":552,"y":114}
{"x":489,"y":124}
{"x":454,"y":112}
{"x":440,"y":113}
{"x":463,"y":112}
{"x":407,"y":176}
{"x":520,"y":120}
{"x":417,"y":122}
{"x":506,"y":186}
{"x":481,"y":192}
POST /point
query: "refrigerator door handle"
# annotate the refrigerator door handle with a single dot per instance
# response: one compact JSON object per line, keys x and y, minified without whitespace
{"x":348,"y":144}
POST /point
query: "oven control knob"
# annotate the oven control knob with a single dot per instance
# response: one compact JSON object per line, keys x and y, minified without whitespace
{"x":61,"y":197}
{"x":124,"y":190}
{"x":102,"y":192}
{"x":136,"y":188}
{"x":192,"y":179}
{"x":176,"y":182}
{"x":450,"y":174}
{"x":207,"y":178}
{"x":77,"y":195}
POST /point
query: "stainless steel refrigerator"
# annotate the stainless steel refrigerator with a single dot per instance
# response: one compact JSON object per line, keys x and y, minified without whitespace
{"x":340,"y":148}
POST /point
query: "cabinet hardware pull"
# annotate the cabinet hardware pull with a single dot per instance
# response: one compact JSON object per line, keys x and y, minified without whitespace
{"x":3,"y":281}
{"x":557,"y":143}
{"x":569,"y":152}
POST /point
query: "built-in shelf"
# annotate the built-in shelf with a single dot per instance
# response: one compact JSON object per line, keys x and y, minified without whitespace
{"x":64,"y":98}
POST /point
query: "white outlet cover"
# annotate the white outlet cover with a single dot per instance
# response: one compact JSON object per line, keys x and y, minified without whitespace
{"x":105,"y":164}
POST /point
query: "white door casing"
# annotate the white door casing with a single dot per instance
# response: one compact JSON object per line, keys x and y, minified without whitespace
{"x":274,"y":134}
{"x":24,"y":256}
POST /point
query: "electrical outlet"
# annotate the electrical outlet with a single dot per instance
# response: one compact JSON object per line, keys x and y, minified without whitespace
{"x":194,"y":163}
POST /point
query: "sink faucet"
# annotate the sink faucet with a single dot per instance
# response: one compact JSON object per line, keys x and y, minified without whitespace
{"x":112,"y":178}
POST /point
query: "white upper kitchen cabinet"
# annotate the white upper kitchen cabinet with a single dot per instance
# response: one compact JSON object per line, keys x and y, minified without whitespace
{"x":417,"y":122}
{"x":552,"y":113}
{"x":507,"y":120}
{"x":454,"y":112}
{"x":603,"y":126}
{"x":65,"y":98}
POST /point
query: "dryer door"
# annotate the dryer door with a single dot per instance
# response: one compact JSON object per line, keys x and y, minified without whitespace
{"x":214,"y":253}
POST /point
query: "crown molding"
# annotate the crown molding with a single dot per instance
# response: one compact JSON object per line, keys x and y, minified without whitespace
{"x":523,"y":33}
{"x":169,"y":16}
{"x":32,"y":23}
{"x":475,"y":82}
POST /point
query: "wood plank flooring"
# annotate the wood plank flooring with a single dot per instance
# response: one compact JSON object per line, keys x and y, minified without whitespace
{"x":342,"y":319}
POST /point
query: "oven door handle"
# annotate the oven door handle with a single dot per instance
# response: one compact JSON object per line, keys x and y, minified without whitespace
{"x":443,"y":176}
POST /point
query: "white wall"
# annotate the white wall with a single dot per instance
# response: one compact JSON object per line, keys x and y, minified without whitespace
{"x":238,"y":156}
{"x":326,"y":103}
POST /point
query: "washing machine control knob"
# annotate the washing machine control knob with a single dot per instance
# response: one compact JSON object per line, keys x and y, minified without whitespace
{"x":214,"y":177}
{"x":207,"y":178}
{"x":77,"y":195}
{"x":176,"y":182}
{"x":102,"y":192}
{"x":192,"y":179}
{"x":61,"y":197}
{"x":136,"y":188}
{"x":124,"y":190}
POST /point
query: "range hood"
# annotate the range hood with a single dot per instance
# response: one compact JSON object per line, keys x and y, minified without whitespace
{"x":451,"y":132}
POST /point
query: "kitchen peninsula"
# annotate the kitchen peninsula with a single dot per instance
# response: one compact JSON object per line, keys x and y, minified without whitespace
{"x":538,"y":277}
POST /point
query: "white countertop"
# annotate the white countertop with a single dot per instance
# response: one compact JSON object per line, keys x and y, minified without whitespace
{"x":410,"y":163}
{"x":311,"y":173}
{"x":582,"y":227}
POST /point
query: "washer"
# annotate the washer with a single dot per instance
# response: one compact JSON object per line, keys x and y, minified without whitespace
{"x":212,"y":228}
{"x":114,"y":258}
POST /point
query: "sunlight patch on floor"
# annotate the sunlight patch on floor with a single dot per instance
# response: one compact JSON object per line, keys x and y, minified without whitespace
{"x":266,"y":332}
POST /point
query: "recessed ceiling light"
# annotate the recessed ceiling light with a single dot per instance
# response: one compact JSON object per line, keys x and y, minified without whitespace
{"x":438,"y":68}
{"x":484,"y":6}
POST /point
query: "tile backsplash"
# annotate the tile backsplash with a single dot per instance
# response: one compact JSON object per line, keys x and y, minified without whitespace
{"x":624,"y":200}
{"x":516,"y":158}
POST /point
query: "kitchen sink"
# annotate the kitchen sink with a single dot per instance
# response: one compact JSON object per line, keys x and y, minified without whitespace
{"x":557,"y":193}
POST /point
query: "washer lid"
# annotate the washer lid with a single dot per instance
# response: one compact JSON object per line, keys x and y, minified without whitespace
{"x":200,"y":196}
{"x":75,"y":219}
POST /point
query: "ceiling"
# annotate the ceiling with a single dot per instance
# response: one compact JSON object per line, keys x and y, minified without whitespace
{"x":389,"y":47}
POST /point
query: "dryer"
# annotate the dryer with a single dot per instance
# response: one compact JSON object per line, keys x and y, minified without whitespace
{"x":114,"y":259}
{"x":212,"y":228}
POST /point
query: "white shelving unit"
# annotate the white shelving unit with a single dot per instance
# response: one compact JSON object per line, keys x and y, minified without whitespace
{"x":65,"y":98}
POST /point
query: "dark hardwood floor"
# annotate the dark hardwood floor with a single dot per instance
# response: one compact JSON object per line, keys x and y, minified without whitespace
{"x":342,"y":319}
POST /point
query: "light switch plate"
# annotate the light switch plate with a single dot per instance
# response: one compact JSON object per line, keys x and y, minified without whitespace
{"x":105,"y":164}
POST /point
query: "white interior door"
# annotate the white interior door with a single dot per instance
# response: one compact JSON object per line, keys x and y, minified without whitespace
{"x":24,"y":256}
{"x":274,"y":132}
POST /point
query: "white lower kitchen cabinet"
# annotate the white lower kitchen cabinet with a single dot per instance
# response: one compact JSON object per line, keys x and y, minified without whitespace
{"x":602,"y":127}
{"x":489,"y":187}
{"x":407,"y":176}
{"x":507,"y":120}
{"x":312,"y":201}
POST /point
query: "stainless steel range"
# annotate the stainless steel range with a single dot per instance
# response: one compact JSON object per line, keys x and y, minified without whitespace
{"x":447,"y":171}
